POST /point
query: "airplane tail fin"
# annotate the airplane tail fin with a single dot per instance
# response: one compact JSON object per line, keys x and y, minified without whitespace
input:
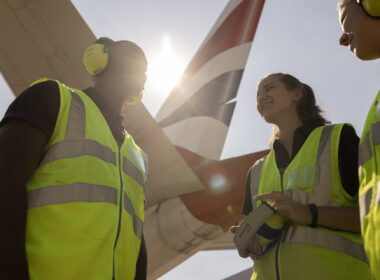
{"x":197,"y":114}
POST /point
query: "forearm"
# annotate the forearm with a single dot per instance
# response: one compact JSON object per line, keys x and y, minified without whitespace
{"x":141,"y":265}
{"x":341,"y":218}
{"x":13,"y":260}
{"x":20,"y":152}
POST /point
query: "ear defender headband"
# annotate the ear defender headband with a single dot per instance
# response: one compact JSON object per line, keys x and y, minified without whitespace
{"x":372,"y":7}
{"x":95,"y":56}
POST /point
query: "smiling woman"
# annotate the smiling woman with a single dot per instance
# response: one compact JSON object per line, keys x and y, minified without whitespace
{"x":165,"y":68}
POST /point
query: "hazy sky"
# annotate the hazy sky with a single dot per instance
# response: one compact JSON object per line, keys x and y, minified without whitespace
{"x":295,"y":36}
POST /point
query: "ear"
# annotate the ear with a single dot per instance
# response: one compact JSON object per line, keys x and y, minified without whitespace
{"x":297,"y":94}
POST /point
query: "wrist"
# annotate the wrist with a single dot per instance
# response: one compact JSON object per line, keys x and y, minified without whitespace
{"x":314,"y":215}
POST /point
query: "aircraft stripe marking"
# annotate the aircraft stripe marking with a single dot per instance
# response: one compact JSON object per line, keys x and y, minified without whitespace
{"x":238,"y":28}
{"x":231,"y":6}
{"x":210,"y":100}
{"x":230,"y":60}
{"x":189,"y":133}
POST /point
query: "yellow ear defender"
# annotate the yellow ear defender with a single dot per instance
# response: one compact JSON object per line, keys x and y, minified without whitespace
{"x":95,"y":56}
{"x":372,"y":7}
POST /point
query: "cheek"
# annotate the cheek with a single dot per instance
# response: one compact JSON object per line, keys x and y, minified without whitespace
{"x":365,"y":45}
{"x":130,"y":81}
{"x":258,"y":109}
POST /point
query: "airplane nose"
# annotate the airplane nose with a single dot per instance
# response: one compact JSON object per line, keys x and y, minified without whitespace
{"x":345,"y":39}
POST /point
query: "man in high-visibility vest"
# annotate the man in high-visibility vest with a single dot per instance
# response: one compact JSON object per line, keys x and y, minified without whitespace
{"x":71,"y":178}
{"x":360,"y":21}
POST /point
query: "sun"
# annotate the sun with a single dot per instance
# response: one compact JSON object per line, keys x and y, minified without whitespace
{"x":165,"y":67}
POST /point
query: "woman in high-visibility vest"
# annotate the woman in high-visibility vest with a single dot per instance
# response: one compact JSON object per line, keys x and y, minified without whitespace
{"x":309,"y":177}
{"x":360,"y":21}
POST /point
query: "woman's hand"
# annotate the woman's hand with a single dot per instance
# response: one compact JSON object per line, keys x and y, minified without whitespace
{"x":287,"y":207}
{"x":255,"y":250}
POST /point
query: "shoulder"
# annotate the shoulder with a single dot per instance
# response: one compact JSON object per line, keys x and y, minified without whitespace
{"x":39,"y":93}
{"x":38,"y":105}
{"x":347,"y":132}
{"x":38,"y":98}
{"x":344,"y":131}
{"x":39,"y":87}
{"x":348,"y":142}
{"x":259,"y":163}
{"x":255,"y":170}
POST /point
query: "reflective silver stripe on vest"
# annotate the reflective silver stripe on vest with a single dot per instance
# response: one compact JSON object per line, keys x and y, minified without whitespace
{"x":365,"y":203}
{"x":365,"y":152}
{"x":71,"y":193}
{"x":146,"y":165}
{"x":322,"y":179}
{"x":365,"y":149}
{"x":255,"y":179}
{"x":137,"y":223}
{"x":325,"y":239}
{"x":325,"y":138}
{"x":62,"y":150}
{"x":376,"y":133}
{"x":76,"y":125}
{"x":132,"y":171}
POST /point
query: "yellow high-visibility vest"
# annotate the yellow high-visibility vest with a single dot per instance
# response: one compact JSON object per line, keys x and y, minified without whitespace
{"x":311,"y":177}
{"x":369,"y":191}
{"x":86,"y":198}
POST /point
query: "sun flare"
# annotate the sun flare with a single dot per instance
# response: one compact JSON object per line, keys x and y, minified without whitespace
{"x":165,"y":68}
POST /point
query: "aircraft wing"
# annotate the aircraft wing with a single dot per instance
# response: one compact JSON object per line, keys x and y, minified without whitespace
{"x":37,"y":41}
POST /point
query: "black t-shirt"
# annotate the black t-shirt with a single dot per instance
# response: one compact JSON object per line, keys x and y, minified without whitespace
{"x":347,"y":157}
{"x":39,"y":105}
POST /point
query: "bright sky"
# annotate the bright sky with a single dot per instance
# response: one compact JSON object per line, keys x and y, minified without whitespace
{"x":294,"y":36}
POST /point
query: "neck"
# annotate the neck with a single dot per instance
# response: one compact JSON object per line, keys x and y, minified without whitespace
{"x":286,"y":127}
{"x":108,"y":97}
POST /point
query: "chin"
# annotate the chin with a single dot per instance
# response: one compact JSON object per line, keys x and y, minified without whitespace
{"x":268,"y":119}
{"x":365,"y":55}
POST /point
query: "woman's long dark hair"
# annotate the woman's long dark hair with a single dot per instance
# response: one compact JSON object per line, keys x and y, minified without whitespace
{"x":308,"y":111}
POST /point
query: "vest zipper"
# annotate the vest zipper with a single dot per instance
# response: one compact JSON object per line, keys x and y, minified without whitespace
{"x":276,"y":261}
{"x":282,"y":171}
{"x":120,"y":209}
